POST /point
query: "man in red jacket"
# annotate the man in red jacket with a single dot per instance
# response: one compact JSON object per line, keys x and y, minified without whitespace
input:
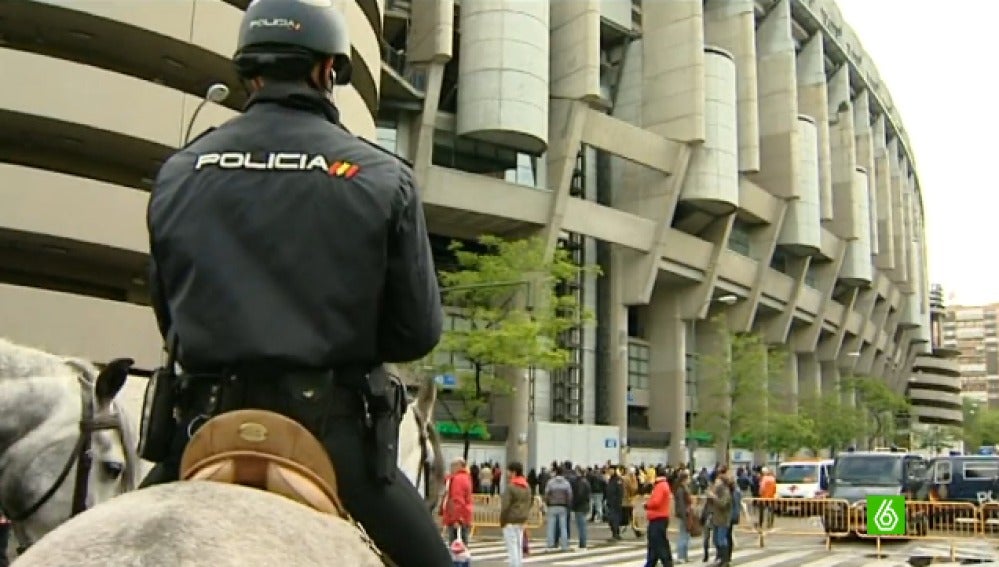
{"x":657,"y":509}
{"x":457,"y":506}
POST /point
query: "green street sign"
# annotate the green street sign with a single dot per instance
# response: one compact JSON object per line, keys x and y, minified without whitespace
{"x":885,"y":515}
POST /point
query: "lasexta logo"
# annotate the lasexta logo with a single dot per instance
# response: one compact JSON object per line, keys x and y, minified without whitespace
{"x":885,"y":515}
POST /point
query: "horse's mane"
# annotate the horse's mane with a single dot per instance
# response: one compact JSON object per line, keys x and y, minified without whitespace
{"x":18,"y":361}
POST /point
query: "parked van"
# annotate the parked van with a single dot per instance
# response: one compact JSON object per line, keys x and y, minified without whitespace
{"x":857,"y":475}
{"x":801,"y":479}
{"x":962,"y":478}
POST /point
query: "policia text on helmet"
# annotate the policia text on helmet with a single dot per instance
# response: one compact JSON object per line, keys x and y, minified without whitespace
{"x":294,"y":40}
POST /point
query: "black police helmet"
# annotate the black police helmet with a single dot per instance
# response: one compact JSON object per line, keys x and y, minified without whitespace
{"x":276,"y":34}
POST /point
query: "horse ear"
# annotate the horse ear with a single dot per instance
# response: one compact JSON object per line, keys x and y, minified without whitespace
{"x":111,"y":379}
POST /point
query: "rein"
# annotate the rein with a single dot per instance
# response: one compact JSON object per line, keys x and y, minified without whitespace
{"x":425,"y":472}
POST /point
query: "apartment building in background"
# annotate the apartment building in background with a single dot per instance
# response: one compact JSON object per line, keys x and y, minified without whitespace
{"x":738,"y":158}
{"x":971,"y":331}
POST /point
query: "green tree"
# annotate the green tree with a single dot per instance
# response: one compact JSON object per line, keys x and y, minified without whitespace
{"x":938,"y":438}
{"x":981,"y":426}
{"x":512,"y":312}
{"x":734,"y":387}
{"x":971,"y":432}
{"x":788,"y":432}
{"x":835,"y":424}
{"x":880,"y":403}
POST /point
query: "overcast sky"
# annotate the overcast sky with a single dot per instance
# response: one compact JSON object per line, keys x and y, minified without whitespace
{"x":938,"y":59}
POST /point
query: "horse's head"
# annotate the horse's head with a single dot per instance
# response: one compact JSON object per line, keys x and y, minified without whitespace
{"x":420,"y":455}
{"x":65,"y":444}
{"x":114,"y":463}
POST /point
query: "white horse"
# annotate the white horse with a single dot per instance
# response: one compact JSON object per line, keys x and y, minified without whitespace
{"x":210,"y":524}
{"x":65,"y":444}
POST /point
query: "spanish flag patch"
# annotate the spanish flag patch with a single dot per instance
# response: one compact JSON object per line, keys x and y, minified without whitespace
{"x":344,"y":169}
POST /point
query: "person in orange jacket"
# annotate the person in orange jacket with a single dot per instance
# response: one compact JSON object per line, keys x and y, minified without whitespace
{"x":768,"y":491}
{"x":658,"y":509}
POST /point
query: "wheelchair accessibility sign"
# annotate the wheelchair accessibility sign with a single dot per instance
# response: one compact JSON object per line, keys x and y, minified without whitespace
{"x":885,"y":515}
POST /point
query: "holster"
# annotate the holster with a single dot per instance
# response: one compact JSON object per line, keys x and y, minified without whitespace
{"x":159,"y":422}
{"x":385,"y":396}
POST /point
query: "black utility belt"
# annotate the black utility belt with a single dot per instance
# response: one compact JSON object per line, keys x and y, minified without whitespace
{"x":284,"y":392}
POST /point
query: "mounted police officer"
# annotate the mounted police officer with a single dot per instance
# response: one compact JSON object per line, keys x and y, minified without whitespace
{"x":290,"y":259}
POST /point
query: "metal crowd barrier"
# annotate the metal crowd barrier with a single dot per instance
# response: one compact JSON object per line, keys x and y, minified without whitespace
{"x":989,"y":515}
{"x":940,"y":521}
{"x":829,"y":518}
{"x":824,"y":518}
{"x":486,"y":512}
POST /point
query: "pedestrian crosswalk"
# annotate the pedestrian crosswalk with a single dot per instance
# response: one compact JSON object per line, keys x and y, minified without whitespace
{"x":632,"y":554}
{"x":968,"y":550}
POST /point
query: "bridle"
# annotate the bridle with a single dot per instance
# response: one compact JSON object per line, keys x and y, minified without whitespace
{"x":424,"y":474}
{"x":81,"y":456}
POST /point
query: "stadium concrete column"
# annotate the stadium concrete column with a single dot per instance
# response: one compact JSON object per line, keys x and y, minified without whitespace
{"x":883,"y":164}
{"x":731,"y":25}
{"x":807,"y":338}
{"x":742,"y":316}
{"x":574,"y":55}
{"x":778,"y":101}
{"x":430,"y":47}
{"x":865,"y":304}
{"x":880,"y":365}
{"x":778,"y":328}
{"x":617,"y":390}
{"x":813,"y":100}
{"x":666,"y":332}
{"x":864,"y":137}
{"x":830,"y":347}
{"x":899,"y":177}
{"x":809,"y":375}
{"x":830,"y":377}
{"x":788,"y":394}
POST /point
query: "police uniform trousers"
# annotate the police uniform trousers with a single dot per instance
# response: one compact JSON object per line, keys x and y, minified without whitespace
{"x":335,"y":415}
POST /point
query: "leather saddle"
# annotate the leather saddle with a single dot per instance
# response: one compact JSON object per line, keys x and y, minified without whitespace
{"x":264,"y":450}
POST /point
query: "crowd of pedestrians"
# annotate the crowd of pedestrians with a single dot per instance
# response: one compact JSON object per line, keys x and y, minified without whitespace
{"x":705,"y":504}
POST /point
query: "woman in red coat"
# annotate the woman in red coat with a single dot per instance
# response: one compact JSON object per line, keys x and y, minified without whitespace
{"x":457,"y":505}
{"x":658,"y":509}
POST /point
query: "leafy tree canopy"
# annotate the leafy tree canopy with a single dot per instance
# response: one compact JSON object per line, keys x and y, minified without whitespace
{"x":938,"y":438}
{"x":735,"y":384}
{"x":788,"y":432}
{"x":881,"y":403}
{"x":511,"y":307}
{"x":835,"y":424}
{"x":981,"y":425}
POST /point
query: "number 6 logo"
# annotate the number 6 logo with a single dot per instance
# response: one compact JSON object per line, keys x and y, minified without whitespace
{"x":886,"y":515}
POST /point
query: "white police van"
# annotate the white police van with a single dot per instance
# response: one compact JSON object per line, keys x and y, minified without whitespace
{"x":800,"y":480}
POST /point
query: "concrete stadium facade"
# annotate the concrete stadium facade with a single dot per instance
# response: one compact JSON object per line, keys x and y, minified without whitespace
{"x":696,"y":150}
